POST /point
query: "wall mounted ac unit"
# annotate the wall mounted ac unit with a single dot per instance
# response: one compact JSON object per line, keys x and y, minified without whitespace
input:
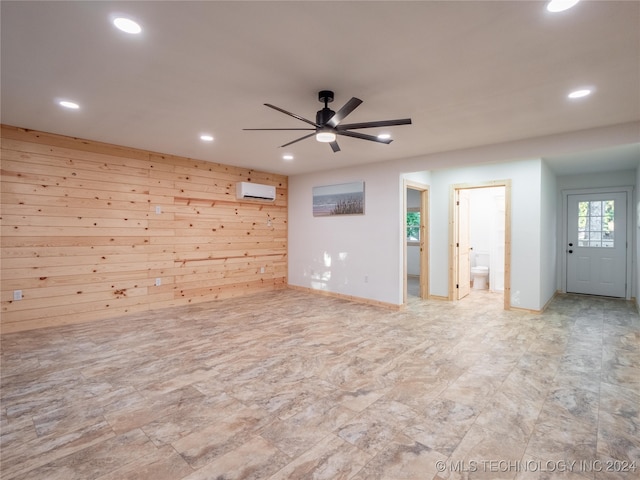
{"x":255,"y":191}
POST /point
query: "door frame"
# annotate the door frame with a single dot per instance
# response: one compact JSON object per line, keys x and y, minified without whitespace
{"x":565,"y":233}
{"x":424,"y":238}
{"x":462,"y":210}
{"x":453,"y":233}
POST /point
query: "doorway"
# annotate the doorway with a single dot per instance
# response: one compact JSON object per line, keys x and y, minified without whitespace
{"x":480,"y":240}
{"x":596,"y":239}
{"x":415,"y":231}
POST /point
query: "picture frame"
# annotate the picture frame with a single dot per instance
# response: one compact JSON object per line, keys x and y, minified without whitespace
{"x":339,"y":199}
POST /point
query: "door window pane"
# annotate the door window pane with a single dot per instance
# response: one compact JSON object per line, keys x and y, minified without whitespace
{"x":413,"y":226}
{"x":595,"y":223}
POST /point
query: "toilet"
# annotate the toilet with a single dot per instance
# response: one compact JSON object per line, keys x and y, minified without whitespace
{"x":480,"y":272}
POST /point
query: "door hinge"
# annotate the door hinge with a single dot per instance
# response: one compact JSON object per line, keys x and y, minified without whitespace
{"x":457,"y":244}
{"x":457,"y":286}
{"x":458,"y":202}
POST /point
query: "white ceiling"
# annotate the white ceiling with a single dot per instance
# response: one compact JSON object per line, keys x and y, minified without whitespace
{"x":468,"y":74}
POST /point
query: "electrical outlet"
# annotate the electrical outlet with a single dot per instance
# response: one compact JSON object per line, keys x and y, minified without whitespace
{"x":158,"y":282}
{"x":17,"y":295}
{"x":366,"y":279}
{"x":158,"y":210}
{"x":261,"y":269}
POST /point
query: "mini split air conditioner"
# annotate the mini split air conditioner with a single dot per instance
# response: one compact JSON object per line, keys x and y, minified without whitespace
{"x":255,"y":191}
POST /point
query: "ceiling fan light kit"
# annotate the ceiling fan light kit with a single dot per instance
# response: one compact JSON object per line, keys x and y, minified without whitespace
{"x":328,"y":124}
{"x":325,"y":136}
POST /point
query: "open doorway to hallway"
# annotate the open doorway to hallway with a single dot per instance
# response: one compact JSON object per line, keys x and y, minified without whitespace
{"x":416,"y":276}
{"x":480,"y":242}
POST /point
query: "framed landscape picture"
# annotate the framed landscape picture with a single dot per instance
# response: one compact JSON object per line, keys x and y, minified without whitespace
{"x":341,"y":199}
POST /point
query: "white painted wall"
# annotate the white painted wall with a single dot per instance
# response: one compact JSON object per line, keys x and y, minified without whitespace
{"x":486,"y":231}
{"x":525,"y":225}
{"x":357,"y":255}
{"x":413,"y":198}
{"x":419,"y":177}
{"x":622,"y":178}
{"x":413,"y":260}
{"x":480,"y":219}
{"x":371,"y":245}
{"x":549,"y":234}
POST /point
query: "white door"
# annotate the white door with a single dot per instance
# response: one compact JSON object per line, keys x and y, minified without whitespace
{"x":463,"y":245}
{"x":597,"y":244}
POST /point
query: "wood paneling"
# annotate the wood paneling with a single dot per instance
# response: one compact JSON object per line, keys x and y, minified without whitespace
{"x":81,"y":237}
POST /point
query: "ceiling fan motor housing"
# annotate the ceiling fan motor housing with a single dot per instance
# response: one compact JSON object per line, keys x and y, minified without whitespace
{"x":323,"y":116}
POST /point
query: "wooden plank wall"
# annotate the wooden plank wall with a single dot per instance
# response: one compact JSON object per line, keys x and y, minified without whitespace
{"x":82,"y":239}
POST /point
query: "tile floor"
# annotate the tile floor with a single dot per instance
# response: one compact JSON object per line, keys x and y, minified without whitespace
{"x":290,"y":385}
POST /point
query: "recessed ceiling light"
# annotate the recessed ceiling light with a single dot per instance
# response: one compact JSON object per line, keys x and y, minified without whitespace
{"x":127,"y":25}
{"x":384,"y":136}
{"x":580,"y":93}
{"x":69,"y":105}
{"x":556,"y":6}
{"x":206,"y":138}
{"x":287,"y":156}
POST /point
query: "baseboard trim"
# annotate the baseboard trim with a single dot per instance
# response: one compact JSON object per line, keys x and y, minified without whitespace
{"x":525,"y":310}
{"x":350,"y":298}
{"x":438,"y":297}
{"x":546,"y":305}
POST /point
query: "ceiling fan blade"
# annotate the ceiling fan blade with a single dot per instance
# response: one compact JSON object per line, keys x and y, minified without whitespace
{"x":346,"y":109}
{"x":381,"y":123}
{"x":292,"y":115}
{"x":334,"y":146}
{"x":362,"y":136}
{"x":278,"y":129}
{"x":297,"y":140}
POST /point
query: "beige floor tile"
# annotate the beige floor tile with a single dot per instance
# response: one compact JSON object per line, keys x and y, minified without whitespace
{"x":330,"y":459}
{"x":317,"y":387}
{"x":254,"y":460}
{"x":232,"y":426}
{"x":485,"y":455}
{"x":162,"y":464}
{"x":403,"y":459}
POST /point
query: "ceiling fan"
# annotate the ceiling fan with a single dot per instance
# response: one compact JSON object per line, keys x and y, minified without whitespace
{"x":329,"y":124}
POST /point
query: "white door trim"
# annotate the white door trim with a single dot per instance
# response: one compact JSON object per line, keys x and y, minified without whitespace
{"x":565,"y":234}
